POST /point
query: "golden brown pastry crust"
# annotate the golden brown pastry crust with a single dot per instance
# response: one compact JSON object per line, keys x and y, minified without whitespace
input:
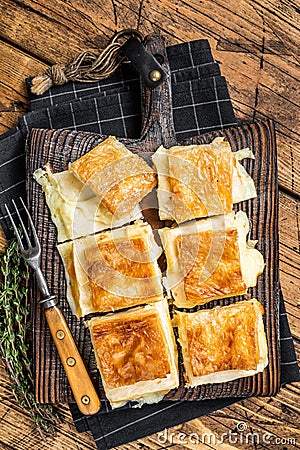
{"x":215,"y":269}
{"x":128,"y":258}
{"x":201,"y":180}
{"x":223,"y":339}
{"x":210,"y":259}
{"x":117,"y":176}
{"x":197,"y":181}
{"x":136,"y":353}
{"x":131,"y":350}
{"x":112,"y":270}
{"x":75,"y":209}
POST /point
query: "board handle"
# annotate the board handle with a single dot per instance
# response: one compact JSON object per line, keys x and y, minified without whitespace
{"x":157,"y":116}
{"x":82,"y":387}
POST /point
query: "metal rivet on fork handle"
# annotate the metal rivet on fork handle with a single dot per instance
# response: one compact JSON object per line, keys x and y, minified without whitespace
{"x":85,"y":399}
{"x":60,"y":334}
{"x":71,"y":361}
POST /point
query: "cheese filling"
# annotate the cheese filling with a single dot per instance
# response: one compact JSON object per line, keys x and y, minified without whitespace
{"x":75,"y":209}
{"x":223,"y":343}
{"x":210,"y":259}
{"x":136,"y":354}
{"x":197,"y":181}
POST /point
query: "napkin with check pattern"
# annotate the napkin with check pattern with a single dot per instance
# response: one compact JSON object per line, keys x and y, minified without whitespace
{"x":201,"y":103}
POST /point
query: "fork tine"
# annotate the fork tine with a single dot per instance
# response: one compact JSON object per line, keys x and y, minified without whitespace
{"x":15,"y":228}
{"x":22,"y":224}
{"x":35,"y":236}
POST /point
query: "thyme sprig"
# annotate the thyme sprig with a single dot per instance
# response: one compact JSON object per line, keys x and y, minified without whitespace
{"x":14,"y":339}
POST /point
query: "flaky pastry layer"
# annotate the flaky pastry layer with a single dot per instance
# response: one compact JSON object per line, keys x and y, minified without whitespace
{"x":223,"y":343}
{"x":112,"y":270}
{"x":210,"y":259}
{"x":198,"y":181}
{"x":120,"y":178}
{"x":75,"y":210}
{"x":136,"y":353}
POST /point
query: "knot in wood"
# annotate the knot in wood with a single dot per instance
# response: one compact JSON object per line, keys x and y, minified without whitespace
{"x":57,"y":74}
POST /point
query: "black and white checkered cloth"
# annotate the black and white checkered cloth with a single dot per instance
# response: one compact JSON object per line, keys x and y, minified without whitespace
{"x":201,"y":103}
{"x":120,"y":111}
{"x":198,"y":90}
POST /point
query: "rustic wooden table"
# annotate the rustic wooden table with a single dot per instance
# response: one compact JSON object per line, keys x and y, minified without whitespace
{"x":257,"y":45}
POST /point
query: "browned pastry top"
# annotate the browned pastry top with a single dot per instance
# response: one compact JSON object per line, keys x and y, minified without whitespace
{"x":119,"y":263}
{"x":210,"y":261}
{"x":223,"y":339}
{"x":128,"y":257}
{"x":118,"y":177}
{"x":131,"y":350}
{"x":201,"y":180}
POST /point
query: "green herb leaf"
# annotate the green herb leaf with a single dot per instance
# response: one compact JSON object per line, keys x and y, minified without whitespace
{"x":14,"y":339}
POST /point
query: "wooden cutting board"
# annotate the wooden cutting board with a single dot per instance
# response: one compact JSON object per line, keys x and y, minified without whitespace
{"x":51,"y":384}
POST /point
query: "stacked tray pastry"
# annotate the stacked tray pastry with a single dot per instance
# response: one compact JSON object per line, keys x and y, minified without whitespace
{"x":110,"y":259}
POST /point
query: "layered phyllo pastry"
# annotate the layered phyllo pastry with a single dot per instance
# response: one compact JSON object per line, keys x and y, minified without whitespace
{"x":197,"y":181}
{"x":210,"y":259}
{"x":75,"y":209}
{"x":224,"y":343}
{"x":136,"y":354}
{"x":112,"y":270}
{"x":119,"y":178}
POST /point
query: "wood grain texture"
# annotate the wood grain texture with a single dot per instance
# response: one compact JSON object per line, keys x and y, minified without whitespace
{"x":18,"y":433}
{"x":257,"y":44}
{"x":81,"y":385}
{"x":261,"y":67}
{"x":45,"y":146}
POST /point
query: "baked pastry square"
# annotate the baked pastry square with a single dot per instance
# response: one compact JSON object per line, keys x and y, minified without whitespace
{"x":210,"y":259}
{"x":198,"y":181}
{"x":75,"y":210}
{"x":136,"y":354}
{"x":120,"y":178}
{"x":112,"y":270}
{"x":224,"y":343}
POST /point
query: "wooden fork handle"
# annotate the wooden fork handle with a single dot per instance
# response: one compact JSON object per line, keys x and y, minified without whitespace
{"x":82,"y":387}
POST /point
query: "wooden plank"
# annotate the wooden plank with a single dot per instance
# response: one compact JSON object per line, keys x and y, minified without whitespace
{"x":15,"y":67}
{"x":252,"y":419}
{"x":277,"y":416}
{"x":234,"y":32}
{"x":260,"y":68}
{"x":263,"y":417}
{"x":52,"y":32}
{"x":288,"y":164}
{"x":18,"y":433}
{"x":289,"y":232}
{"x":8,"y":120}
{"x":286,"y":12}
{"x":179,"y":22}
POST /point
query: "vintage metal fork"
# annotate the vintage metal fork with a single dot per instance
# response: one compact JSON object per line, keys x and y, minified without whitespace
{"x":80,"y":382}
